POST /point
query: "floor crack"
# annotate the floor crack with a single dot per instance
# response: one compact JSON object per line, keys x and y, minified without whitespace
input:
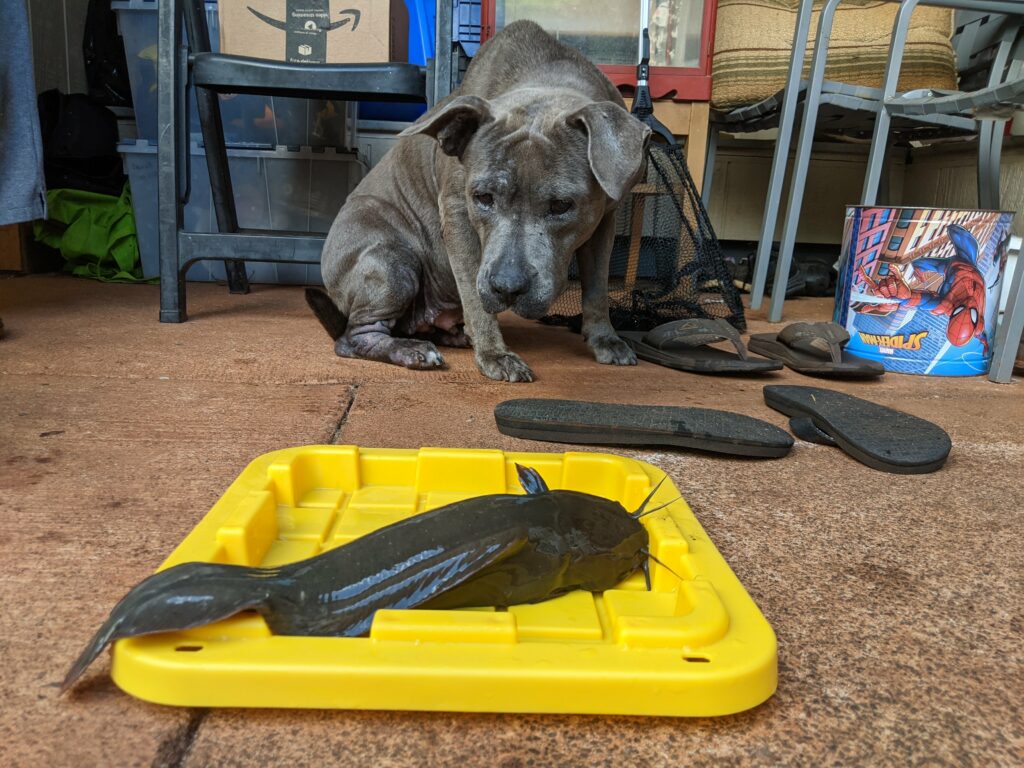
{"x":173,"y":750}
{"x":353,"y":391}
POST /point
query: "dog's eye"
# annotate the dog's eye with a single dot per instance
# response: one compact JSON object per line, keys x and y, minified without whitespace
{"x":483,"y":199}
{"x":558,"y":207}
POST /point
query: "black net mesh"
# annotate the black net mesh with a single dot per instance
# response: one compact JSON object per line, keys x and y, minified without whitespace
{"x":666,"y":263}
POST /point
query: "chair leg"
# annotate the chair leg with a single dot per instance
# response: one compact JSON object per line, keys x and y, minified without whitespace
{"x":990,"y":151}
{"x":221,"y":191}
{"x":876,"y":160}
{"x":802,"y":161}
{"x":170,"y":202}
{"x":883,"y":121}
{"x":1008,"y":334}
{"x":212,"y":126}
{"x":995,"y":157}
{"x":709,"y":165}
{"x":787,"y":117}
{"x":875,"y":173}
{"x":984,"y":151}
{"x":990,"y":133}
{"x":884,"y":192}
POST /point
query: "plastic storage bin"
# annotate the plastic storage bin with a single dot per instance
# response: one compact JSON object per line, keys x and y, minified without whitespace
{"x":270,"y":121}
{"x":694,"y":645}
{"x":466,"y":33}
{"x":282,"y":189}
{"x":377,"y":138}
{"x":466,"y":25}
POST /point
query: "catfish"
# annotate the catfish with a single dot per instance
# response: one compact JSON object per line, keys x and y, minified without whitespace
{"x":494,"y":550}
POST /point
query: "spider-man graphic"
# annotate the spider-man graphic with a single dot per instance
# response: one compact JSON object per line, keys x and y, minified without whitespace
{"x":961,"y":296}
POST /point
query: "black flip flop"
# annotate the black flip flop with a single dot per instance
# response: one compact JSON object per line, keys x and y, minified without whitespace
{"x":703,"y":429}
{"x":815,"y":349}
{"x":682,"y":345}
{"x":882,"y":438}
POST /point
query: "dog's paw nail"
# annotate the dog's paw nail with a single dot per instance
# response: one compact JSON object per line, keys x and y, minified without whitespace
{"x":418,"y":355}
{"x":507,"y":367}
{"x":613,"y":351}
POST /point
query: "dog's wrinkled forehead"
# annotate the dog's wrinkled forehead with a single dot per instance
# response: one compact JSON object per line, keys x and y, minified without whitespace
{"x":530,"y":149}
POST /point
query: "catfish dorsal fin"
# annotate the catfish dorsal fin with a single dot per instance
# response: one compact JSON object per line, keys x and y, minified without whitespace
{"x":531,"y":480}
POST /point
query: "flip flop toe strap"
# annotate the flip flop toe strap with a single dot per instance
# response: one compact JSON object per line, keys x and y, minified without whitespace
{"x":823,"y":340}
{"x":695,"y":332}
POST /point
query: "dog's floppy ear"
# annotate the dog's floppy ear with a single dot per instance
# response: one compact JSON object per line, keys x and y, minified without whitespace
{"x":454,"y":124}
{"x":617,"y":145}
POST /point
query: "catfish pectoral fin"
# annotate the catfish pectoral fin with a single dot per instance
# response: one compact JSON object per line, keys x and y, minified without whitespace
{"x":185,"y":596}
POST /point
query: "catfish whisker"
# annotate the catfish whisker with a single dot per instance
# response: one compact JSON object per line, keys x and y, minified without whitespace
{"x":659,"y":562}
{"x":645,"y":502}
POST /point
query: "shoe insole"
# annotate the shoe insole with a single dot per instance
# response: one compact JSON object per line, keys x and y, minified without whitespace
{"x":703,"y":429}
{"x":880,"y":437}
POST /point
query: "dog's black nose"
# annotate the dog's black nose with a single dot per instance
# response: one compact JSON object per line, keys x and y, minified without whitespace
{"x":509,"y":284}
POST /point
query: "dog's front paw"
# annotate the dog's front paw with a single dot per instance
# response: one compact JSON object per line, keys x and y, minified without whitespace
{"x":415,"y":354}
{"x":504,"y":366}
{"x":611,"y":350}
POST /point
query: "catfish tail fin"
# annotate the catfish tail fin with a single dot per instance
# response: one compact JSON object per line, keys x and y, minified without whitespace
{"x":185,"y":596}
{"x":327,"y":313}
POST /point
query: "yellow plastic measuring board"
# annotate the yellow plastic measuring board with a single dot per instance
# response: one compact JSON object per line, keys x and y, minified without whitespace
{"x":695,"y":645}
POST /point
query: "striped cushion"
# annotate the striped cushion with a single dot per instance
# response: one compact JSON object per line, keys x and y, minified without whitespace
{"x":754,"y":38}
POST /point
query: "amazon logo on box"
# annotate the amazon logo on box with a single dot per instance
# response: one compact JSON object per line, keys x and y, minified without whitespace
{"x":316,"y":31}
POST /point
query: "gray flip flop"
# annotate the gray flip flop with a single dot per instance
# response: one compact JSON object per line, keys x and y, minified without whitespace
{"x":682,"y":345}
{"x":815,"y":349}
{"x":880,"y":437}
{"x":585,"y":423}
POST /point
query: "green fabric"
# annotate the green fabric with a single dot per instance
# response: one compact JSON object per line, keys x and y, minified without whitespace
{"x":95,"y":234}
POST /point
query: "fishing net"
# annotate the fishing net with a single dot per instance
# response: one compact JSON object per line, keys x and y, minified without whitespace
{"x":666,"y":263}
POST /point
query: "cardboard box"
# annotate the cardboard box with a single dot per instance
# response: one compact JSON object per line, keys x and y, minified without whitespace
{"x":316,"y":31}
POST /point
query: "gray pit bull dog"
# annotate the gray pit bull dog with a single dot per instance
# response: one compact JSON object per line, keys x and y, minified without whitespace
{"x":479,"y":208}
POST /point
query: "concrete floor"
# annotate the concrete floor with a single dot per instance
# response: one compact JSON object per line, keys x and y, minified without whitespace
{"x":897,"y":601}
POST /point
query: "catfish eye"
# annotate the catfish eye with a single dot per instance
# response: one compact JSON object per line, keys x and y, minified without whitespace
{"x":483,"y":200}
{"x":558,"y":207}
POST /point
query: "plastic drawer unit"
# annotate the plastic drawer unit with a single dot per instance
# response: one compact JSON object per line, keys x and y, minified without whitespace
{"x":280,"y":189}
{"x":270,"y":121}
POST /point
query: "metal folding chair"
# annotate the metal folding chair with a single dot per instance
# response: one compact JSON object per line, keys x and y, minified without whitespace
{"x":182,"y":62}
{"x":990,"y":106}
{"x":883,"y":123}
{"x":844,"y":110}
